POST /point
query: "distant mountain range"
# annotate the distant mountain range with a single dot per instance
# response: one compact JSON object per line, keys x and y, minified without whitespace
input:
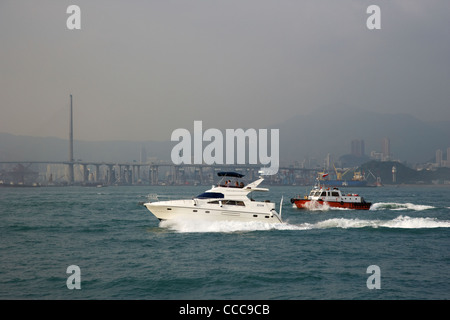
{"x":312,"y":136}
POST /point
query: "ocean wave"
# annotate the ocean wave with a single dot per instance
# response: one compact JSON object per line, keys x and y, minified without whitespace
{"x":317,"y":206}
{"x":400,"y":222}
{"x":186,"y":226}
{"x":399,"y":206}
{"x":320,"y":206}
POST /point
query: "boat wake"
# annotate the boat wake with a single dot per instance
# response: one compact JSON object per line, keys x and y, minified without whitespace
{"x":318,"y":206}
{"x":399,"y":206}
{"x":185,"y":226}
{"x":400,"y":222}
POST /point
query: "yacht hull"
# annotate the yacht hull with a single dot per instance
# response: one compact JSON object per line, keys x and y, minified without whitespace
{"x":182,"y":210}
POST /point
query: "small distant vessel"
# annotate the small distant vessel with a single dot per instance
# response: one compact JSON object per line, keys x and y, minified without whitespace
{"x":358,"y":179}
{"x":347,"y":183}
{"x":332,"y":197}
{"x":228,"y":200}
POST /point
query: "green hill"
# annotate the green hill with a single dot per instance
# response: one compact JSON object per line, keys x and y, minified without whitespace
{"x":405,"y":175}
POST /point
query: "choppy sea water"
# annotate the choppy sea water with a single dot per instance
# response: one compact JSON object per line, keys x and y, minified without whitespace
{"x":124,"y":252}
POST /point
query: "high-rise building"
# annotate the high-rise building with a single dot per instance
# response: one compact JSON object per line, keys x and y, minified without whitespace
{"x":447,"y":162}
{"x":328,"y":162}
{"x":357,"y":148}
{"x":386,"y":149}
{"x":439,"y":157}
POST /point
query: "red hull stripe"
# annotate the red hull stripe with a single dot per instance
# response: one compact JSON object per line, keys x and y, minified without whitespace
{"x":302,"y":204}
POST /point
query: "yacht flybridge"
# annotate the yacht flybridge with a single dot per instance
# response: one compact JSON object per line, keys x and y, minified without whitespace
{"x":228,"y":200}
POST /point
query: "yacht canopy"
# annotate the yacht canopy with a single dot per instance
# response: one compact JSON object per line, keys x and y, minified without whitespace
{"x":230,"y":174}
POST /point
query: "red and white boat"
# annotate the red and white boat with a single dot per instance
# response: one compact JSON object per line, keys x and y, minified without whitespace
{"x":332,"y":197}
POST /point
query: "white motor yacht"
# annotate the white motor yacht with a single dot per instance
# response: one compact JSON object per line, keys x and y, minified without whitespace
{"x":228,"y":200}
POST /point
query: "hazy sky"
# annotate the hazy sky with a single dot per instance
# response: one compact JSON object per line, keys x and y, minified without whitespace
{"x":140,"y":69}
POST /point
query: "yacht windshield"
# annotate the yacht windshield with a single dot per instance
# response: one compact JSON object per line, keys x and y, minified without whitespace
{"x":210,"y":195}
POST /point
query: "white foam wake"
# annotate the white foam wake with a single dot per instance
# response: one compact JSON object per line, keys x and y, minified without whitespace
{"x":320,"y":206}
{"x":399,"y":206}
{"x":401,"y":222}
{"x":317,"y":206}
{"x":180,"y":225}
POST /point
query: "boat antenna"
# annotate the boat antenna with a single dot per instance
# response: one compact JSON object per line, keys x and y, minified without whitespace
{"x":281,"y":206}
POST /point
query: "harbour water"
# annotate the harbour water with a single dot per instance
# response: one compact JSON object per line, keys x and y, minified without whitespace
{"x":124,"y":252}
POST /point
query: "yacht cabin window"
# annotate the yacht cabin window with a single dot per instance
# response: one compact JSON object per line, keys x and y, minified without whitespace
{"x":229,"y":202}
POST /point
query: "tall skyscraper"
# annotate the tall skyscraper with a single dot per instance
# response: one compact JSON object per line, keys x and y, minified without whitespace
{"x":447,"y":163}
{"x":439,"y":157}
{"x":357,"y":148}
{"x":386,"y":149}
